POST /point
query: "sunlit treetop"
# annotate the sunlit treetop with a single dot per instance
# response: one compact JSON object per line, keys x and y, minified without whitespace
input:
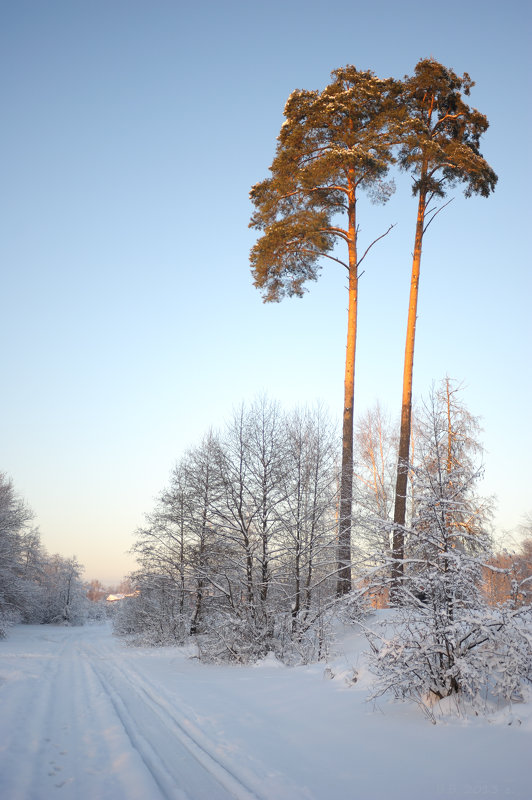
{"x":442,"y":145}
{"x":331,"y":144}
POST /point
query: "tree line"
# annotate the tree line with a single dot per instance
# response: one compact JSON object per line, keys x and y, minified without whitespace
{"x":35,"y":586}
{"x":240,"y":551}
{"x":240,"y":548}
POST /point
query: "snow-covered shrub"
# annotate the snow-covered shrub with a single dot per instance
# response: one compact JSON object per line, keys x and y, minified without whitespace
{"x":445,"y":637}
{"x":488,"y":650}
{"x":308,"y":637}
{"x":351,"y":607}
{"x":309,"y":640}
{"x":238,"y":638}
{"x":233,"y":636}
{"x":236,"y":635}
{"x":97,"y":611}
{"x":7,"y":619}
{"x":152,"y":617}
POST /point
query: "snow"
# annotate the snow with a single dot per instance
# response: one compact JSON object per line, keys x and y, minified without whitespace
{"x":85,"y":717}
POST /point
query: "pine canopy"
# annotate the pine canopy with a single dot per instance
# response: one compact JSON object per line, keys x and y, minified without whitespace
{"x":331,"y":144}
{"x":441,"y":147}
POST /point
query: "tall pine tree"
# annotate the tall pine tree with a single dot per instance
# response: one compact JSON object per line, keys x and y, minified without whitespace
{"x":440,"y":148}
{"x":332,"y":144}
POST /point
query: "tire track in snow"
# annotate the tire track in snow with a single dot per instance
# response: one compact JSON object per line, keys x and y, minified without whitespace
{"x":154,"y":764}
{"x":65,"y":739}
{"x":258,"y":779}
{"x":27,"y":732}
{"x":208,"y":777}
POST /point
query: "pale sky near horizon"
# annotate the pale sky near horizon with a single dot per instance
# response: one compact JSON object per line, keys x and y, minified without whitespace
{"x":132,"y":132}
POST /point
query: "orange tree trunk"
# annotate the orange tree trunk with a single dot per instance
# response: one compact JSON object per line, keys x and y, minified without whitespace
{"x":399,"y":517}
{"x":343,"y":585}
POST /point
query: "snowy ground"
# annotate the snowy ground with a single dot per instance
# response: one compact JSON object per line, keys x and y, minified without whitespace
{"x":84,"y":717}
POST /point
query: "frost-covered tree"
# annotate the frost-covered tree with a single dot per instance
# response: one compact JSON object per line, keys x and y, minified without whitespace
{"x":20,"y":553}
{"x":509,"y":575}
{"x":176,"y":550}
{"x":65,"y":598}
{"x":307,"y":519}
{"x":440,"y":147}
{"x":523,"y":570}
{"x":246,"y":515}
{"x":34,"y":587}
{"x":96,"y":591}
{"x":162,"y":563}
{"x":446,"y":638}
{"x":375,"y":462}
{"x":240,"y":550}
{"x":332,"y":145}
{"x":277,"y":516}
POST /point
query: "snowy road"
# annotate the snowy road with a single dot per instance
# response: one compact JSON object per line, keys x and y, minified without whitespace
{"x":83,"y":717}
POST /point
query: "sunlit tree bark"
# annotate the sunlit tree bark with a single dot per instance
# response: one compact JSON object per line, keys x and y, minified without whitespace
{"x":440,"y":149}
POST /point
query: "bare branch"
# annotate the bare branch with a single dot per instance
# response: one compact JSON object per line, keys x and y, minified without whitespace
{"x":338,"y":232}
{"x":326,"y":255}
{"x":360,"y":260}
{"x":436,"y":214}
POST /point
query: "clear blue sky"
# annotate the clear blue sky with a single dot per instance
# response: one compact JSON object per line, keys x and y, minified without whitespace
{"x":131,"y":134}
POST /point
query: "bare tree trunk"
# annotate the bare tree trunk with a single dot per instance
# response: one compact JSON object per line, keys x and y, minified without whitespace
{"x":296,"y":606}
{"x":194,"y":622}
{"x":182,"y":554}
{"x":312,"y":537}
{"x":399,"y":517}
{"x":265,"y":535}
{"x":198,"y":610}
{"x":343,"y":585}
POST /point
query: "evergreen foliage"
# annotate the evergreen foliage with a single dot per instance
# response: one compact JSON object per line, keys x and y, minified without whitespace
{"x":441,"y":146}
{"x":332,"y":144}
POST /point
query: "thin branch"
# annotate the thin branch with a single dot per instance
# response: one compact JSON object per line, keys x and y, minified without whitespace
{"x":446,"y":117}
{"x":325,"y":255}
{"x":436,"y":214}
{"x":360,"y":260}
{"x":333,"y":188}
{"x":338,"y":231}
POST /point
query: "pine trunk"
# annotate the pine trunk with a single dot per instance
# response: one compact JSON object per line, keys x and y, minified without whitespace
{"x":399,"y":517}
{"x":343,"y":585}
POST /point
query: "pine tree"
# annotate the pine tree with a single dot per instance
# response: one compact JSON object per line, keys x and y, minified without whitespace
{"x":332,"y":144}
{"x":440,"y":148}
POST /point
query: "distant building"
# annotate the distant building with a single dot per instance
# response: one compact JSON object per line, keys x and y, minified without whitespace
{"x":114,"y":598}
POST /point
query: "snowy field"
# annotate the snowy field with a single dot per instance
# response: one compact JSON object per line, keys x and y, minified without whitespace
{"x":82,"y":716}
